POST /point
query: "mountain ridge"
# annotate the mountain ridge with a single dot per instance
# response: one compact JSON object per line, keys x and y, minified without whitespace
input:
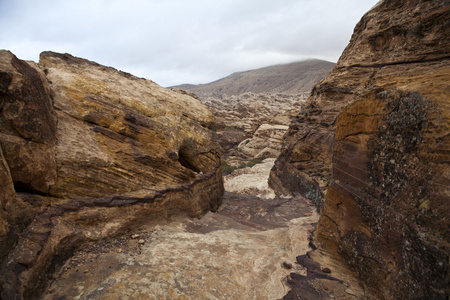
{"x":290,"y":78}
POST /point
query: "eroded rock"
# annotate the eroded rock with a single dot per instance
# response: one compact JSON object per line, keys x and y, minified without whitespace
{"x":373,"y":141}
{"x":91,"y":152}
{"x":235,"y":253}
{"x":251,"y":180}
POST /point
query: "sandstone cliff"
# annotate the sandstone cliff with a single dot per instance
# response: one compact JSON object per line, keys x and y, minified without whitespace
{"x":373,"y":142}
{"x":89,"y":152}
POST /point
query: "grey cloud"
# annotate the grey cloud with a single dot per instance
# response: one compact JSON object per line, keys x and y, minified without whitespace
{"x":178,"y":41}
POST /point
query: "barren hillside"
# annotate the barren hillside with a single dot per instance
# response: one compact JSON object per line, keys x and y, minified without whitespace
{"x":293,"y":78}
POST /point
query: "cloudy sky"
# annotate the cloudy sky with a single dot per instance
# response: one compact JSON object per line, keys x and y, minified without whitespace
{"x":181,"y":41}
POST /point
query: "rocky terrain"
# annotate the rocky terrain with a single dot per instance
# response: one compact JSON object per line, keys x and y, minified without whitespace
{"x":89,"y":152}
{"x":251,"y":180}
{"x":245,"y":250}
{"x":371,"y":149}
{"x":112,"y":189}
{"x":248,"y":249}
{"x":262,"y":119}
{"x":253,"y":109}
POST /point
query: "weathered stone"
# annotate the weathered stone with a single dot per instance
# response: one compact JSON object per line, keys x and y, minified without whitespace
{"x":92,"y":152}
{"x":7,"y":198}
{"x":251,"y":181}
{"x":28,"y":125}
{"x":265,"y":143}
{"x":262,"y":117}
{"x":113,"y":126}
{"x":243,"y":101}
{"x":373,"y":140}
{"x":27,"y":139}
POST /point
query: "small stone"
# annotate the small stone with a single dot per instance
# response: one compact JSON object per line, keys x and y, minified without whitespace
{"x":141,"y":241}
{"x":326,"y":270}
{"x":287,"y":265}
{"x":135,"y":236}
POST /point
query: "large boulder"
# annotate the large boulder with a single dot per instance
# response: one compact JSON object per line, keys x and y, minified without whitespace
{"x":266,"y":142}
{"x":371,"y":148}
{"x":89,"y":152}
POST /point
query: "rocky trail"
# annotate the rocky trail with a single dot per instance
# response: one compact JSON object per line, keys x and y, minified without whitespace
{"x":245,"y":250}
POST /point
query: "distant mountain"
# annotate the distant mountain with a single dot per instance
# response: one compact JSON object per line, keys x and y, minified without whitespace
{"x":293,"y":78}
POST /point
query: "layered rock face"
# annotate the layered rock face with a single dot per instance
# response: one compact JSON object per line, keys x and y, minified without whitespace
{"x":266,"y":141}
{"x":88,"y":152}
{"x":261,"y":118}
{"x":373,"y":141}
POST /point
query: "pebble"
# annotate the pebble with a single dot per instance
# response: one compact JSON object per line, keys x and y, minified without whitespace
{"x":287,"y":265}
{"x":141,"y":241}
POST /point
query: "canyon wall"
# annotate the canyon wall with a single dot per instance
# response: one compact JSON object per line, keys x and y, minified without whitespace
{"x":371,"y":149}
{"x":88,"y":152}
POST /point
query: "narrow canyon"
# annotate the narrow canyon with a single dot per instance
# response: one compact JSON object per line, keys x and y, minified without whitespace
{"x":310,"y":180}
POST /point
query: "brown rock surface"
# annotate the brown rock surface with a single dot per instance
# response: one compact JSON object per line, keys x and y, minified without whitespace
{"x":374,"y":140}
{"x":28,"y":125}
{"x":90,"y":152}
{"x":239,"y":117}
{"x":117,"y":125}
{"x":236,"y":253}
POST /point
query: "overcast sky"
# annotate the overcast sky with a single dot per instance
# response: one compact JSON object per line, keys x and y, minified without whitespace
{"x":181,"y":41}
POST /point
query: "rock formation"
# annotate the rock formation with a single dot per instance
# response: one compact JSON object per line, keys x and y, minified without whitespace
{"x":243,"y":102}
{"x":89,"y":152}
{"x":266,"y":141}
{"x":261,"y":118}
{"x":251,"y":180}
{"x":373,"y":142}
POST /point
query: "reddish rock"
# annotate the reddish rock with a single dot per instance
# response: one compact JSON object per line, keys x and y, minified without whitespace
{"x":373,"y":140}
